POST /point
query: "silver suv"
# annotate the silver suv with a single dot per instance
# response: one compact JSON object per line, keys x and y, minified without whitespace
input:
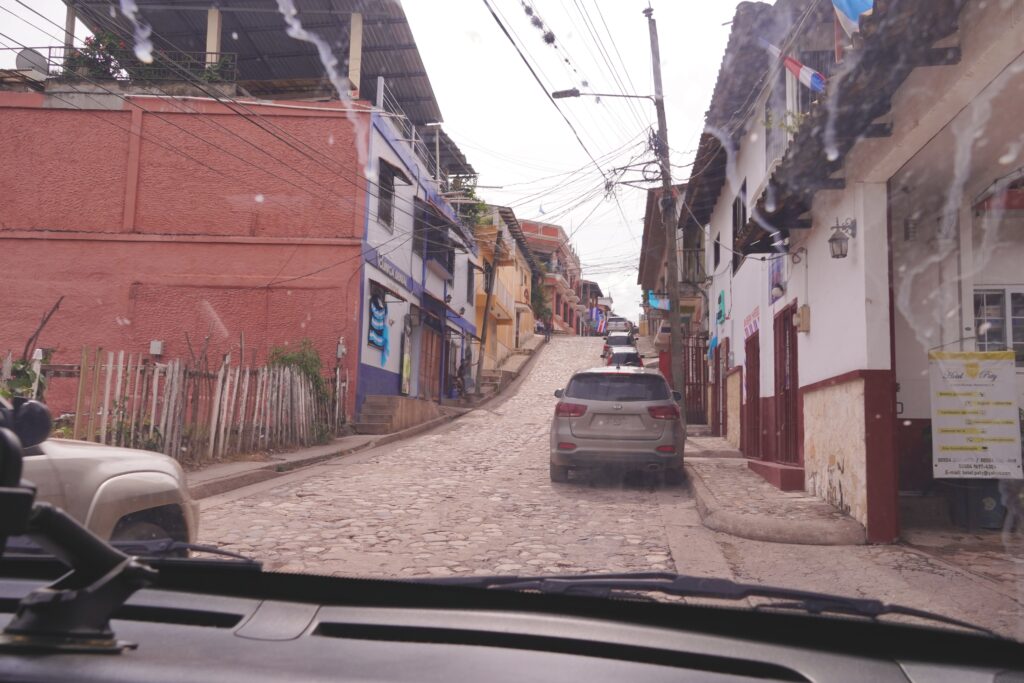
{"x":617,"y":415}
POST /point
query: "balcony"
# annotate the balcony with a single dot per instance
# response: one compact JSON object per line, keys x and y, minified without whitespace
{"x":503,"y":303}
{"x":100,"y":62}
{"x":691,"y":266}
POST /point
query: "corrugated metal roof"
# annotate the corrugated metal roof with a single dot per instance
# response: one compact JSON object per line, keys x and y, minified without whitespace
{"x":255,"y":31}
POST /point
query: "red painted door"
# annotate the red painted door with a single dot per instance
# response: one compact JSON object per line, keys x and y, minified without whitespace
{"x":752,"y":378}
{"x":786,"y":387}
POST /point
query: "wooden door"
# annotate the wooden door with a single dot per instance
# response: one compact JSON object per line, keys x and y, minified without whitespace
{"x":752,"y":379}
{"x":430,"y":364}
{"x":786,"y":387}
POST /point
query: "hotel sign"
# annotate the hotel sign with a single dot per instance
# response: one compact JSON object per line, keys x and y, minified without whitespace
{"x":975,"y":420}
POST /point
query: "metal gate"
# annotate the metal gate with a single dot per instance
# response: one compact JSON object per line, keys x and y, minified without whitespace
{"x":695,"y":379}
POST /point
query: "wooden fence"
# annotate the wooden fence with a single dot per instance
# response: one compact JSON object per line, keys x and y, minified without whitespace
{"x":195,"y":415}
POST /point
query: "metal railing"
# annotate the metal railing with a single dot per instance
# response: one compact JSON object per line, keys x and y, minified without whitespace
{"x":97,"y":64}
{"x":406,"y":129}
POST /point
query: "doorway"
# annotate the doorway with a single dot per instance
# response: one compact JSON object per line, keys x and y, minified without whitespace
{"x":786,"y":387}
{"x":752,"y":378}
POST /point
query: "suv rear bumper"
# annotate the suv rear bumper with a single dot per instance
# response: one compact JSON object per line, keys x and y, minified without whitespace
{"x":632,"y":459}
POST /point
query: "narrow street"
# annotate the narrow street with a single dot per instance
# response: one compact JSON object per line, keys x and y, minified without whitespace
{"x":475,"y":497}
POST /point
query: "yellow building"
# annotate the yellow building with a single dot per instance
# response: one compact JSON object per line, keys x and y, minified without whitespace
{"x":504,"y":253}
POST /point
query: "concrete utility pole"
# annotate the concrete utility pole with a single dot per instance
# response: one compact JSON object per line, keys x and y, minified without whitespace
{"x":668,"y":219}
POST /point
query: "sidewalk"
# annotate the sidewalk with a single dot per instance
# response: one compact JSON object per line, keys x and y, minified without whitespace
{"x":734,"y":500}
{"x":215,"y":479}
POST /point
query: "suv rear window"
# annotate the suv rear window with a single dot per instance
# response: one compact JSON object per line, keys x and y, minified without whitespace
{"x":619,"y":340}
{"x":614,"y":387}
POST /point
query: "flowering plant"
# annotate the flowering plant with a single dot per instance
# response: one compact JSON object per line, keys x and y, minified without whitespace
{"x":104,"y":56}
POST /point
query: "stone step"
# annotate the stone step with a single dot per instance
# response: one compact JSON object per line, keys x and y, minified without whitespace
{"x":372,"y":427}
{"x":365,"y":416}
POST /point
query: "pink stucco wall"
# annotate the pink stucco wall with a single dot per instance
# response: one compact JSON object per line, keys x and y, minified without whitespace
{"x":145,"y":243}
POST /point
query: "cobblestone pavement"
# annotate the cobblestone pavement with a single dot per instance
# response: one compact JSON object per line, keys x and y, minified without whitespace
{"x":475,"y":498}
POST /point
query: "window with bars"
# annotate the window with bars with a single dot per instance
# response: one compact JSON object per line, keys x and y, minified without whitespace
{"x":739,"y":219}
{"x":386,"y":196}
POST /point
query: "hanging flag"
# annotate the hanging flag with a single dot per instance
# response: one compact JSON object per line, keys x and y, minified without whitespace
{"x":849,"y":12}
{"x":806,"y":75}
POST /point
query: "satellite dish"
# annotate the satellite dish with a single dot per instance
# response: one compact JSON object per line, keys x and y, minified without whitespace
{"x":30,"y":60}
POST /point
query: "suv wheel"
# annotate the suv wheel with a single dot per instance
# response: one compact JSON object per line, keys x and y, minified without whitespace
{"x":559,"y":473}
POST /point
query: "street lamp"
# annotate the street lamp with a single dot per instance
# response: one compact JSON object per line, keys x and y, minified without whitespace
{"x":839,"y":242}
{"x":575,"y":92}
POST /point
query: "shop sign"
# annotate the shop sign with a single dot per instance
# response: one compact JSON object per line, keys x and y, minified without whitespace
{"x":752,"y":323}
{"x":975,"y":419}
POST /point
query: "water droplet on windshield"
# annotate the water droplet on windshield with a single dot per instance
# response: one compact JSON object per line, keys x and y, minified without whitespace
{"x":259,"y":198}
{"x":330,"y":139}
{"x":141,"y":32}
{"x":113,"y":12}
{"x":234,"y":35}
{"x":984,"y":328}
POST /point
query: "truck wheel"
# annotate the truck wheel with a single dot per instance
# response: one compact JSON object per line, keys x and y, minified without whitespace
{"x":559,"y":473}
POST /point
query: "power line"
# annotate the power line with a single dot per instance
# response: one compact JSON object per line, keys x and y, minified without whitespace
{"x":542,"y":87}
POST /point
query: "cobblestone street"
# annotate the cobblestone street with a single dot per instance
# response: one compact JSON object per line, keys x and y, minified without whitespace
{"x":474,"y":497}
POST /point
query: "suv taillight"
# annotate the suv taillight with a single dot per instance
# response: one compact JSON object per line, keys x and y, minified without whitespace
{"x":570,"y":410}
{"x":664,"y":412}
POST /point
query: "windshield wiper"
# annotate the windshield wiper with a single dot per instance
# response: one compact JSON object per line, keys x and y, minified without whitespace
{"x":610,"y":585}
{"x":162,"y":548}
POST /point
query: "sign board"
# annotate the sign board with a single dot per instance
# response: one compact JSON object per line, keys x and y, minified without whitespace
{"x":975,"y":420}
{"x":752,"y":323}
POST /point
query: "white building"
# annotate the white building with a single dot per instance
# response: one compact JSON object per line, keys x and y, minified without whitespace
{"x":418,"y":316}
{"x":818,"y":363}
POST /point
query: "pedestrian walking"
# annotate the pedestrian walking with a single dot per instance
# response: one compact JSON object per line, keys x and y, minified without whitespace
{"x":547,"y":330}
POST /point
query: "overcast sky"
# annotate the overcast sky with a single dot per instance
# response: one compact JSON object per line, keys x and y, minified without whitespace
{"x":510,"y":132}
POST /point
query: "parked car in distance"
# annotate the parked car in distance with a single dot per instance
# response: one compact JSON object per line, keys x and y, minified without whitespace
{"x":625,"y":358}
{"x":617,"y":416}
{"x":615,"y":340}
{"x":120,"y":494}
{"x":617,"y":324}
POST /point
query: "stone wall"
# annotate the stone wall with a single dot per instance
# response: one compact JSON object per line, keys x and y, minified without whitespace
{"x":733,"y":395}
{"x":834,"y":447}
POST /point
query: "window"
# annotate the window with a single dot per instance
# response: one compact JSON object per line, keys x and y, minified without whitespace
{"x":717,"y":253}
{"x":998,"y":327}
{"x":386,"y":195}
{"x":470,"y":282}
{"x":612,"y":387}
{"x":739,"y":219}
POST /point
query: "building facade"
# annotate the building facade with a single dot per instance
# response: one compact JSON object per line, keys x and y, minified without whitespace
{"x":845,"y":246}
{"x":178,"y":209}
{"x":550,"y":246}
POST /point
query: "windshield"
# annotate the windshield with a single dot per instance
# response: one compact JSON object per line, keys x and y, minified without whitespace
{"x":241,"y":238}
{"x":616,"y":387}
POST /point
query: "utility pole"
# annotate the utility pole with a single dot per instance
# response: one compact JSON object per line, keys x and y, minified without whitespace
{"x":490,"y":275}
{"x":668,"y":219}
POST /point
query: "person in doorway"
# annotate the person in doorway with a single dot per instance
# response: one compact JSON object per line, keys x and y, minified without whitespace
{"x":548,"y":325}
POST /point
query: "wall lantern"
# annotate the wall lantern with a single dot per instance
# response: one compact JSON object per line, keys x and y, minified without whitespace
{"x":839,"y":242}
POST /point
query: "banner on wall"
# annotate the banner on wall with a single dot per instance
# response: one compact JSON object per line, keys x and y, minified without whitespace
{"x":405,"y":385}
{"x":975,"y":418}
{"x":377,"y":335}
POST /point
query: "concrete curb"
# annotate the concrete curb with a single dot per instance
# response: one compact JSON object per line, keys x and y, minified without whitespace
{"x":771,"y":529}
{"x":263,"y":472}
